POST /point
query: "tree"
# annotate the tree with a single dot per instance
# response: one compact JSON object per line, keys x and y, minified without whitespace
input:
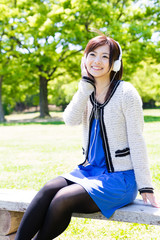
{"x":29,"y":35}
{"x":6,"y":49}
{"x":13,"y":69}
{"x":47,"y":37}
{"x":40,"y":43}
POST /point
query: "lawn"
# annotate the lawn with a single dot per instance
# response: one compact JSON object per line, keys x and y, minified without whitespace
{"x":33,"y":152}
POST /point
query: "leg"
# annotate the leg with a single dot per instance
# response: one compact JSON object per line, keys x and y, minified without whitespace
{"x":34,"y":216}
{"x":73,"y":198}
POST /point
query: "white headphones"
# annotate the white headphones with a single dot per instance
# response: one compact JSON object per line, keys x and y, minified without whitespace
{"x":117,"y":63}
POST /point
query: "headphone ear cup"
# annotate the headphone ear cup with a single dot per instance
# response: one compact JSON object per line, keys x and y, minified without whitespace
{"x":117,"y":65}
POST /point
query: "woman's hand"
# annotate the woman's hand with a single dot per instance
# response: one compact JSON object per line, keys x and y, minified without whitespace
{"x":84,"y":71}
{"x":151,"y":198}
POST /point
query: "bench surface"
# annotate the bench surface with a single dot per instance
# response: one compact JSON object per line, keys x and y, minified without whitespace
{"x":137,"y":212}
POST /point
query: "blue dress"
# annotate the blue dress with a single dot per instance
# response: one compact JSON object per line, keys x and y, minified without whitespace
{"x":109,"y":191}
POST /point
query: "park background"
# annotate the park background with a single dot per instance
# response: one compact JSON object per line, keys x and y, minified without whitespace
{"x":41,"y":46}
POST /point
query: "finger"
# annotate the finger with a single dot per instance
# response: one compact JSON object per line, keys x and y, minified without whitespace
{"x":82,"y":62}
{"x":82,"y":65}
{"x":152,"y":200}
{"x":154,"y":203}
{"x":144,"y":197}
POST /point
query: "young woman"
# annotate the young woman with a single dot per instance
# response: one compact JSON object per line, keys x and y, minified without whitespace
{"x":115,"y":165}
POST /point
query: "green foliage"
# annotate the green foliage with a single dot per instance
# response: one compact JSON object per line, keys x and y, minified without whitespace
{"x":61,"y":94}
{"x":147,"y":81}
{"x":46,"y":39}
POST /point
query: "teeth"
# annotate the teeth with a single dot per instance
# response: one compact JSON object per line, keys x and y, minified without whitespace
{"x":97,"y":68}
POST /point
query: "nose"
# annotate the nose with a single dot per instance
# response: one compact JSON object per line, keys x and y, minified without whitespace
{"x":97,"y":60}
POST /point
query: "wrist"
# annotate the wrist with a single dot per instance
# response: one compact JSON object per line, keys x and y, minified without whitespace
{"x":88,"y":79}
{"x":146,"y":190}
{"x":86,"y":86}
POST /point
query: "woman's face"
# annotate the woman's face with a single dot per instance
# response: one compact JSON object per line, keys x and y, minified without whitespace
{"x":97,"y":62}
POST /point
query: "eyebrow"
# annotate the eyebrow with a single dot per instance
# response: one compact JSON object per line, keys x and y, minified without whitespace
{"x":102,"y":53}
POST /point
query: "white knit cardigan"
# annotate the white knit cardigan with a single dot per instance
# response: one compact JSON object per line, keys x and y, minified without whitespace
{"x":122,"y":116}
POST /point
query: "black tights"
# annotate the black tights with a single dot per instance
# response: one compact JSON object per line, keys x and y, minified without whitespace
{"x":50,"y":212}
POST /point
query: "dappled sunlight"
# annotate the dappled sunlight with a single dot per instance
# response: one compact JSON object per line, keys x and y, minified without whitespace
{"x":33,"y":117}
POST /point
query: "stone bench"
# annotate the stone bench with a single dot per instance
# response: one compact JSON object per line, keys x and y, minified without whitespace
{"x":13,"y":204}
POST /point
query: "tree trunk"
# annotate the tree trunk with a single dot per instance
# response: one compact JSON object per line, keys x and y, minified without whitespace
{"x":2,"y":119}
{"x":43,"y":100}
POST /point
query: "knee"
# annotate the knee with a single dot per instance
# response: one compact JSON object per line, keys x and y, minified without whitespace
{"x":53,"y":186}
{"x":46,"y":192}
{"x":45,"y":189}
{"x":61,"y":202}
{"x":49,"y":188}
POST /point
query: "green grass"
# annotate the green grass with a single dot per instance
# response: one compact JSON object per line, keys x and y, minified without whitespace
{"x":33,"y":151}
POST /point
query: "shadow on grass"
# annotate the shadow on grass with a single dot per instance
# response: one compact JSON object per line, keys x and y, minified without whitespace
{"x":34,"y":121}
{"x":36,"y":111}
{"x":38,"y":121}
{"x":151,"y":119}
{"x":31,"y":123}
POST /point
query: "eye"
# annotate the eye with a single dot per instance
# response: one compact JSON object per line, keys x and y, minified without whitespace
{"x":105,"y":56}
{"x":92,"y":54}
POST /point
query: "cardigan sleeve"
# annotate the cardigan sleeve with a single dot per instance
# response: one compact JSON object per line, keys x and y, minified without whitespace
{"x":73,"y":113}
{"x":133,"y":112}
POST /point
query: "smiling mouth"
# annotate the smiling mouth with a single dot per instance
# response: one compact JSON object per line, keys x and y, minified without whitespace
{"x":97,"y":68}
